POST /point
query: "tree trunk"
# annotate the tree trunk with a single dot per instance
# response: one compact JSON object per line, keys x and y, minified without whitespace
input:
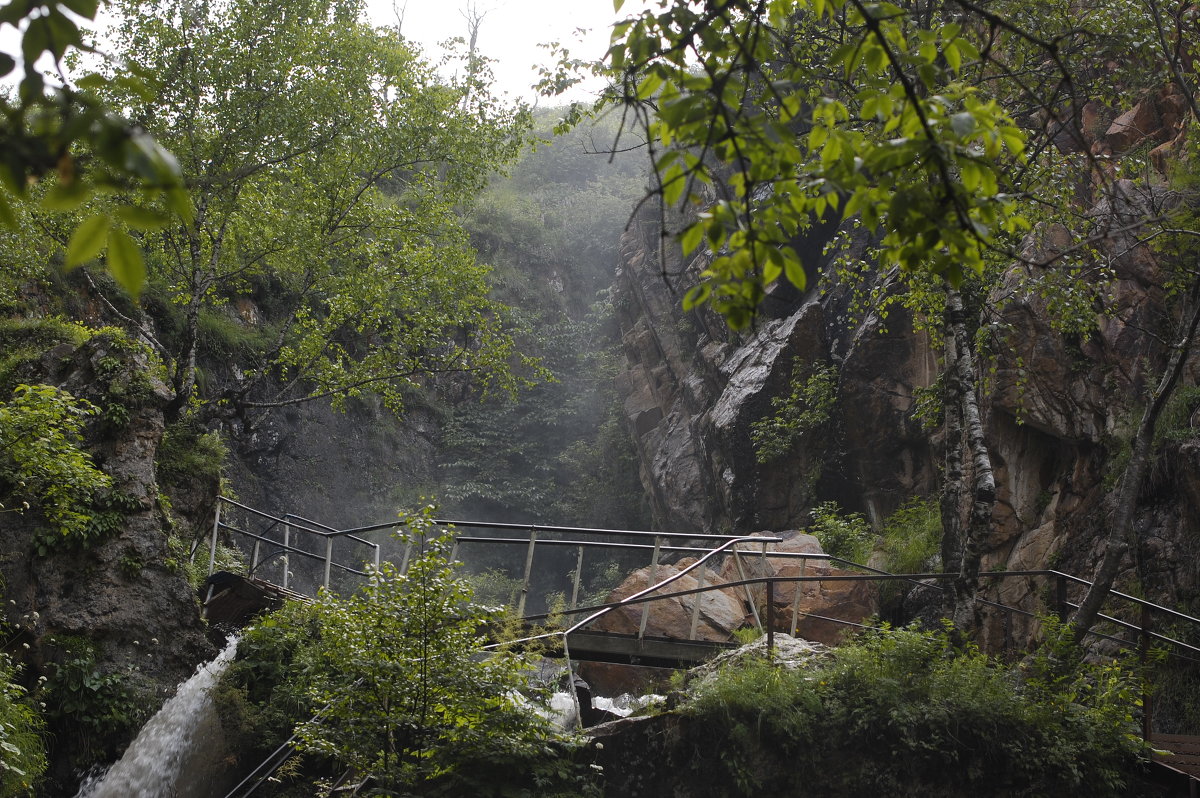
{"x":1123,"y":504}
{"x":962,"y":544}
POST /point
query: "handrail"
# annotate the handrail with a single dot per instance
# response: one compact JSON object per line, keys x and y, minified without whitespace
{"x":290,"y":522}
{"x":634,"y":598}
{"x":561,"y":529}
{"x":299,"y":523}
{"x":642,"y":597}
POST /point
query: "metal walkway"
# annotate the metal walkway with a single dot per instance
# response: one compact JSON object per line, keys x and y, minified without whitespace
{"x":291,"y":557}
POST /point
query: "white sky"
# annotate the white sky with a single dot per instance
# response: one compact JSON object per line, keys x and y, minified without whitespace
{"x":509,"y":35}
{"x":511,"y":32}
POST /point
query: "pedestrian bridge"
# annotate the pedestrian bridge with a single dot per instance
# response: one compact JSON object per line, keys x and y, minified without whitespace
{"x":558,"y":580}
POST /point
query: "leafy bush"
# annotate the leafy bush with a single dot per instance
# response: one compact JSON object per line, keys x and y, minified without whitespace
{"x":845,"y":536}
{"x":912,"y":537}
{"x":187,"y":453}
{"x":803,"y":410}
{"x":408,"y":695}
{"x":42,"y":464}
{"x":22,"y":752}
{"x":905,"y":713}
{"x":23,"y":341}
{"x":92,"y":711}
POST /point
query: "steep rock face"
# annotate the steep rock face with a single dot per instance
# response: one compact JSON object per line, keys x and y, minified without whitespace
{"x":119,"y":592}
{"x":692,"y":391}
{"x":338,"y":468}
{"x":1058,"y":411}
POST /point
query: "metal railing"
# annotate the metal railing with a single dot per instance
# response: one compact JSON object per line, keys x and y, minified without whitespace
{"x":658,"y":544}
{"x":280,"y":536}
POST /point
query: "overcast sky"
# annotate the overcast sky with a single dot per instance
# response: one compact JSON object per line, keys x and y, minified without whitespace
{"x":509,"y":34}
{"x":511,"y":31}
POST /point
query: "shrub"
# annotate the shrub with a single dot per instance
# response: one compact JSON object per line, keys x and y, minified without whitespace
{"x":805,"y":408}
{"x":408,"y":695}
{"x":43,"y":466}
{"x":905,"y":713}
{"x":845,"y":536}
{"x":22,"y":752}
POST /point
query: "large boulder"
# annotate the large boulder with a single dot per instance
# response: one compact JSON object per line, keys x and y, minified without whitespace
{"x":822,"y":610}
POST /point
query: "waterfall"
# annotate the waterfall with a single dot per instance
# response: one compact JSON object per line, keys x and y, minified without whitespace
{"x":167,"y":746}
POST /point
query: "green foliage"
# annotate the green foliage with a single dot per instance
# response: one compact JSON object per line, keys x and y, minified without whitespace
{"x":42,"y":465}
{"x":407,"y":701}
{"x":78,"y":143}
{"x":91,"y":710}
{"x":261,"y":696}
{"x":828,"y":109}
{"x":24,"y":341}
{"x":907,"y":713}
{"x":189,"y":454}
{"x":1176,"y":421}
{"x":494,"y":588}
{"x":805,"y":409}
{"x":846,"y":536}
{"x":22,"y":750}
{"x":333,"y":204}
{"x":558,"y":451}
{"x":408,"y":695}
{"x":912,"y":537}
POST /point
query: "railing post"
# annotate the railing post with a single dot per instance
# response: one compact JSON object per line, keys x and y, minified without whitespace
{"x":796,"y":600}
{"x":287,"y":543}
{"x":578,"y":576}
{"x":696,"y":601}
{"x":528,"y":573}
{"x":1144,"y":657}
{"x":328,"y":559}
{"x":771,"y":620}
{"x":737,"y":559}
{"x":254,"y":557}
{"x":403,"y":562}
{"x":377,"y":549}
{"x":212,"y":547}
{"x":1060,"y":597}
{"x":653,"y":581}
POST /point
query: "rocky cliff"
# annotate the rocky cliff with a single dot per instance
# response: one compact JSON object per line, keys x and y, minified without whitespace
{"x":108,"y":626}
{"x":1058,"y":407}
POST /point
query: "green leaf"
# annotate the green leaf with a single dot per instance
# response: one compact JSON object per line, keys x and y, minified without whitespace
{"x":88,"y":240}
{"x":84,"y":8}
{"x":953,"y":56}
{"x":691,"y":237}
{"x":793,"y":269}
{"x":125,"y":261}
{"x":67,"y":196}
{"x":93,"y":81}
{"x":144,"y":219}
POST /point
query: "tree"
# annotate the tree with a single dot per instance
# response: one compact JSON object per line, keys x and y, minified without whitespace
{"x":411,"y":699}
{"x":64,"y":132}
{"x":324,"y":161}
{"x":780,"y":118}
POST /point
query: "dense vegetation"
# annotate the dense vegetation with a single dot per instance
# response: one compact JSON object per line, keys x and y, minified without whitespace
{"x":320,"y":234}
{"x":905,"y":712}
{"x":393,"y":683}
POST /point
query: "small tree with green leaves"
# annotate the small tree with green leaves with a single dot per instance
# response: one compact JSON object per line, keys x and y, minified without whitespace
{"x":42,"y":465}
{"x":411,"y":697}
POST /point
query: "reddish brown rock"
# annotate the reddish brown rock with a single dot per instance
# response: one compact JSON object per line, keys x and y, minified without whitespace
{"x":818,"y":608}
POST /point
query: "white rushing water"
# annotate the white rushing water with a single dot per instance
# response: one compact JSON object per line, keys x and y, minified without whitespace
{"x":154,"y":761}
